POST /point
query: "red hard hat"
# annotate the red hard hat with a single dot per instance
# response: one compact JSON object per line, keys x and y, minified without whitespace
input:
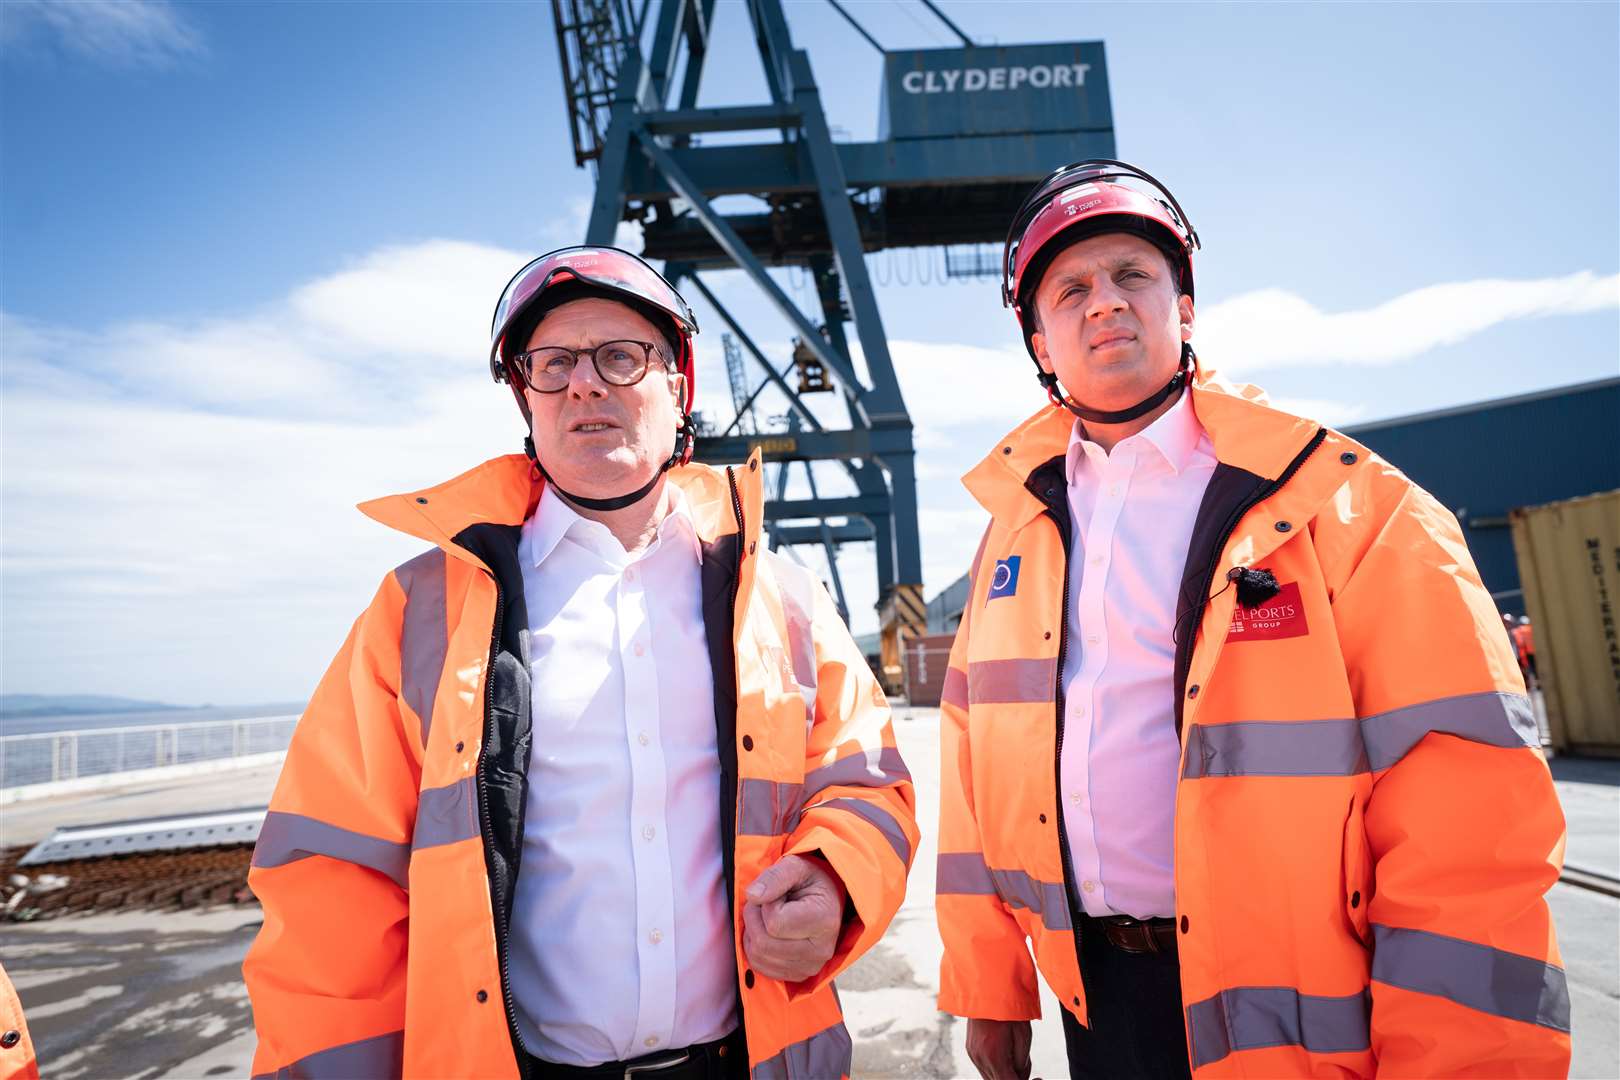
{"x":622,"y":274}
{"x":1085,"y":199}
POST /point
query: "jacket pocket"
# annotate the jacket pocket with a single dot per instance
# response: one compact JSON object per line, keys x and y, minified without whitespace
{"x":1357,"y":878}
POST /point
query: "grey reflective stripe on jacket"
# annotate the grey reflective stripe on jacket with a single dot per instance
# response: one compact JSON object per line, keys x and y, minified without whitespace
{"x":424,"y":638}
{"x":966,"y":874}
{"x":1472,"y":975}
{"x":1253,"y":1017}
{"x":1348,"y":747}
{"x":826,"y":1054}
{"x":376,"y":1058}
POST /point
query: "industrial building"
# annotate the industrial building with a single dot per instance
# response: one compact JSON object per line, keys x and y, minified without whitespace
{"x":1485,"y":459}
{"x":1481,"y":461}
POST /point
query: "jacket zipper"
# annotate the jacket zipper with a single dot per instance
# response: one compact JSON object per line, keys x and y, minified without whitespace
{"x":1057,"y":765}
{"x":502,"y":925}
{"x":736,"y":508}
{"x":730,"y":857}
{"x":1260,"y":495}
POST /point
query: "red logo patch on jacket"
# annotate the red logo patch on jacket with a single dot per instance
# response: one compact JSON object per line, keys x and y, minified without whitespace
{"x":1283,"y":616}
{"x":790,"y":684}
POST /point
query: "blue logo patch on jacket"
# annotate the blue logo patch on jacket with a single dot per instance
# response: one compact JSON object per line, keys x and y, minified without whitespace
{"x":1004,"y":582}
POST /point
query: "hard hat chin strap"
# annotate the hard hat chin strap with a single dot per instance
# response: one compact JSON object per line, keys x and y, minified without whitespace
{"x":1189,"y":362}
{"x":683,"y":441}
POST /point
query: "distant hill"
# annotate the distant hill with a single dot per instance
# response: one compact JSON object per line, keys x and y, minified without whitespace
{"x":74,"y":704}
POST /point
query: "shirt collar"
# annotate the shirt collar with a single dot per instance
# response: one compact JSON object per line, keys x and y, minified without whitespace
{"x":554,"y":519}
{"x":1175,"y":435}
{"x":679,"y":522}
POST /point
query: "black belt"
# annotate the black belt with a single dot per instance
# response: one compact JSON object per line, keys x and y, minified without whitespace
{"x":1157,"y":935}
{"x":723,"y":1059}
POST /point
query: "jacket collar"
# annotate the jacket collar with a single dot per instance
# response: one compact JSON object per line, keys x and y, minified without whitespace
{"x":506,"y":491}
{"x":1247,"y":432}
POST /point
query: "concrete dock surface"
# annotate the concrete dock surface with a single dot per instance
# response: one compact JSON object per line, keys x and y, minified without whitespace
{"x":159,"y":994}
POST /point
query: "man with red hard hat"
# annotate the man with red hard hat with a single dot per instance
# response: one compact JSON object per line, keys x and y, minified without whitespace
{"x":1230,"y":739}
{"x":598,"y":786}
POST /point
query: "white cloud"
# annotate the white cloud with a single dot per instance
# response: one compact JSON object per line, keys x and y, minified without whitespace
{"x":119,"y":33}
{"x":178,"y":497}
{"x":948,"y":385}
{"x":176,"y":503}
{"x":568,"y":228}
{"x":430,"y":301}
{"x":1276,"y":328}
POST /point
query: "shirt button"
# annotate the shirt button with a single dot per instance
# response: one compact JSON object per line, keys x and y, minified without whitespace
{"x":640,"y":650}
{"x":656,"y":936}
{"x":1088,"y":886}
{"x":1113,"y":489}
{"x":1075,"y":797}
{"x":652,"y":1040}
{"x":643,"y":739}
{"x":648,"y":832}
{"x":630,"y":574}
{"x":1096,"y":560}
{"x":1092,"y":639}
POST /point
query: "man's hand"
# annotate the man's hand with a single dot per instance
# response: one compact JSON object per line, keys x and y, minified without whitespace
{"x":999,"y":1049}
{"x":791,"y":918}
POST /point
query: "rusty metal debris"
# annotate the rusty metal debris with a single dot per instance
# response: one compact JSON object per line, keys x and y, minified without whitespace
{"x":163,"y":880}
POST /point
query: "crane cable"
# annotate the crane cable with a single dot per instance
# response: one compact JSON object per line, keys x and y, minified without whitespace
{"x":859,"y":29}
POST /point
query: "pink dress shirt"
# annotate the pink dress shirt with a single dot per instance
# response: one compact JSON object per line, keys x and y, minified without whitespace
{"x":1132,"y":514}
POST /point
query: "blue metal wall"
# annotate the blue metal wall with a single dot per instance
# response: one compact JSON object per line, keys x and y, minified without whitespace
{"x":1484,"y":460}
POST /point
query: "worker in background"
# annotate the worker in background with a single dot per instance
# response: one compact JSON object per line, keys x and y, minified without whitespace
{"x":1524,"y":642}
{"x":598,"y":785}
{"x":16,"y":1048}
{"x":1229,"y":735}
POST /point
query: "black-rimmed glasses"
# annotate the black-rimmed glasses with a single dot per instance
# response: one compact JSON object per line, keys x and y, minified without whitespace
{"x":548,"y":369}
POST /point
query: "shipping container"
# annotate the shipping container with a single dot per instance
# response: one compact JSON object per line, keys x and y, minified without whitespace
{"x":1569,"y":561}
{"x":926,"y":660}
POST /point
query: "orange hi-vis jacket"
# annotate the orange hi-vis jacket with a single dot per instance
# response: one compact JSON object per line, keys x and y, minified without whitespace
{"x":389,"y":856}
{"x":16,"y":1048}
{"x":1364,"y":827}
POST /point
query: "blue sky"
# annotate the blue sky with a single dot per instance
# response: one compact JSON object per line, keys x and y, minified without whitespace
{"x":247,"y":254}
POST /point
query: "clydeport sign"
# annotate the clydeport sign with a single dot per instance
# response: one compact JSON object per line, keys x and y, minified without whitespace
{"x":995,"y":90}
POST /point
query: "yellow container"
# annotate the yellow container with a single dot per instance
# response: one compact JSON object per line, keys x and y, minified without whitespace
{"x":1569,"y":563}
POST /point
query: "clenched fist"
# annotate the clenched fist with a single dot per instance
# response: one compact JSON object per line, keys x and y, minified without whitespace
{"x":792,"y":916}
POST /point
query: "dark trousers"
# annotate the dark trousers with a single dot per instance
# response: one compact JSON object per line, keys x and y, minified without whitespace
{"x":1134,"y":1006}
{"x":723,"y":1059}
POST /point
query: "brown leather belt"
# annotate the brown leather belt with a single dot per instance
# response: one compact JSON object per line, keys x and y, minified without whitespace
{"x":719,"y":1060}
{"x":1137,"y":935}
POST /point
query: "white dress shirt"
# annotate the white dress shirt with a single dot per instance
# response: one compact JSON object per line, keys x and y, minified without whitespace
{"x":1132,"y":513}
{"x":621,"y":935}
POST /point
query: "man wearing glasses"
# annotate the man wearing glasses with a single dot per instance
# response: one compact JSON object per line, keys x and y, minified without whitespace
{"x":599,"y":786}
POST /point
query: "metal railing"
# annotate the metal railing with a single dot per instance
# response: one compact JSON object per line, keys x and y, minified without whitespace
{"x":51,"y":756}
